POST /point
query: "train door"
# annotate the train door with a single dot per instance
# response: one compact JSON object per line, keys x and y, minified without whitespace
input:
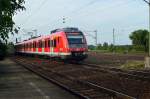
{"x":34,"y":46}
{"x":51,"y":48}
{"x":23,"y":47}
{"x":43,"y":46}
{"x":37,"y":46}
{"x":58,"y":46}
{"x":46,"y":45}
{"x":55,"y":47}
{"x":40,"y":46}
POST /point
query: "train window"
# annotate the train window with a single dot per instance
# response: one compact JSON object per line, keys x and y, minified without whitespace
{"x":30,"y":45}
{"x":58,"y":39}
{"x":35,"y":45}
{"x":40,"y":44}
{"x":75,"y":39}
{"x":26,"y":45}
{"x":49,"y":44}
{"x":43,"y":44}
{"x":54,"y":43}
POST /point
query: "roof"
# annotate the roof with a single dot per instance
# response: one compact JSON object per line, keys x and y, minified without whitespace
{"x":68,"y":29}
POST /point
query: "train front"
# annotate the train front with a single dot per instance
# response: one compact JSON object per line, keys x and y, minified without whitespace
{"x":77,"y":44}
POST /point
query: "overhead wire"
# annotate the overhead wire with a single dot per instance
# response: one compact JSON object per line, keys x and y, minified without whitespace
{"x":36,"y":11}
{"x":83,"y":7}
{"x":102,"y":9}
{"x":74,"y":11}
{"x":71,"y":14}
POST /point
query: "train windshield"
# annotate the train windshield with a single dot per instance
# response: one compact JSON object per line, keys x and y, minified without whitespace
{"x":78,"y":39}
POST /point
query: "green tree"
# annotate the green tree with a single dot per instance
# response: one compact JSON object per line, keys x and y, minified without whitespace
{"x":8,"y":8}
{"x":140,"y":38}
{"x":91,"y":47}
{"x":105,"y":45}
{"x":99,"y":46}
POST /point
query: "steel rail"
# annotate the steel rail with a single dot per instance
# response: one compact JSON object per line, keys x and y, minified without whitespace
{"x":65,"y":87}
{"x":130,"y":73}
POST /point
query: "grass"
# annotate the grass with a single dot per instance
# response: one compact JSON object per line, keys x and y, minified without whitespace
{"x":133,"y":65}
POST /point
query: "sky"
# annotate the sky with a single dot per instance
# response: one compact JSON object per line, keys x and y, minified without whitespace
{"x":124,"y":16}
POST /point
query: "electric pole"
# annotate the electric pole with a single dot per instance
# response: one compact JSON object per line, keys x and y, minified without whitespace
{"x":149,"y":28}
{"x":95,"y":37}
{"x":149,"y":25}
{"x":64,"y":20}
{"x":35,"y":32}
{"x":113,"y":40}
{"x":147,"y":63}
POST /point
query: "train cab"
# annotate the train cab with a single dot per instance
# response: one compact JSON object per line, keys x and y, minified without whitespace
{"x":74,"y":43}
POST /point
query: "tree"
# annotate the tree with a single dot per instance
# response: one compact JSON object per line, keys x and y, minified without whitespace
{"x":105,"y":45}
{"x":91,"y":47}
{"x":99,"y":46}
{"x":140,"y":38}
{"x":3,"y":48}
{"x":8,"y":8}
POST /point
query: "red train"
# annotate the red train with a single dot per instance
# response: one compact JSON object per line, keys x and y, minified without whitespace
{"x":65,"y":43}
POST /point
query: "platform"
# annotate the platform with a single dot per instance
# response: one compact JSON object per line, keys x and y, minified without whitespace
{"x":17,"y":82}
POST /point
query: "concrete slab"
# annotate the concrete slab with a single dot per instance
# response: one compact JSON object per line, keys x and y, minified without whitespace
{"x":17,"y":82}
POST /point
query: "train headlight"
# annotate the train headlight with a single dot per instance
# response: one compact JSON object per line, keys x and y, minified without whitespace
{"x":84,"y":53}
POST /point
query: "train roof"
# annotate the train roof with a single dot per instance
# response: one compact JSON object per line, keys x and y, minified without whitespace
{"x":66,"y":30}
{"x":33,"y":39}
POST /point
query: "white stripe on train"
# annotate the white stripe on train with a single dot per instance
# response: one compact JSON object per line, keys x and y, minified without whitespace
{"x":45,"y":53}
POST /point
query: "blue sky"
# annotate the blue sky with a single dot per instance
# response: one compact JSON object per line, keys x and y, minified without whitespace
{"x":88,"y":15}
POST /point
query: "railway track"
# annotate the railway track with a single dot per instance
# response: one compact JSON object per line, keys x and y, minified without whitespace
{"x":81,"y":87}
{"x":136,"y":74}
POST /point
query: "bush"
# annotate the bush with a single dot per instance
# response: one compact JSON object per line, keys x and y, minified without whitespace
{"x":139,"y":48}
{"x":3,"y":51}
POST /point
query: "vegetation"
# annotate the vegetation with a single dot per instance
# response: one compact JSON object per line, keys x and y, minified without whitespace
{"x":110,"y":48}
{"x":8,"y":8}
{"x":139,"y":44}
{"x":3,"y":48}
{"x":140,"y":39}
{"x":133,"y":65}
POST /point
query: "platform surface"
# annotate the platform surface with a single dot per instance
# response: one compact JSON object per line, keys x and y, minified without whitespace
{"x":17,"y":82}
